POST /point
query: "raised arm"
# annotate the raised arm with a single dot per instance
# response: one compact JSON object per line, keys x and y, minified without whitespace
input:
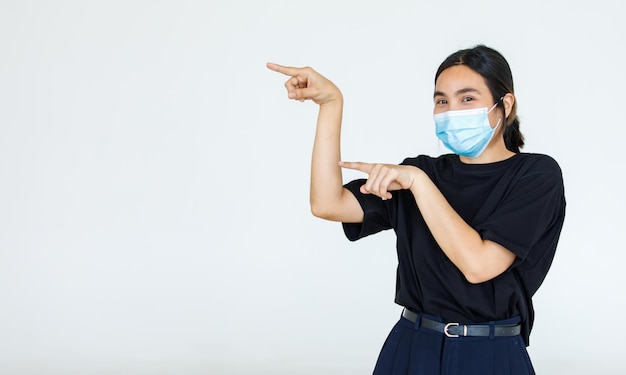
{"x":329,"y":200}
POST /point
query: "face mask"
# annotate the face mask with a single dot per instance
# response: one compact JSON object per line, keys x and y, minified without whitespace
{"x":466,"y":132}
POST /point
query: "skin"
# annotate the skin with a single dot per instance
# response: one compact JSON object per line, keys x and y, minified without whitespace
{"x":457,"y":87}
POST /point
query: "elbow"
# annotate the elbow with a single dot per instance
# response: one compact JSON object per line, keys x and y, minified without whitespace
{"x":317,"y":212}
{"x":321,"y":212}
{"x":476,"y":273}
{"x":326,"y":212}
{"x":481,"y":275}
{"x":338,"y":209}
{"x":476,"y":278}
{"x":494,"y":262}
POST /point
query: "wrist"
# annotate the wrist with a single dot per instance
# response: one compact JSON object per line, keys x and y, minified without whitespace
{"x":420,"y":182}
{"x":332,"y":108}
{"x":335,"y":100}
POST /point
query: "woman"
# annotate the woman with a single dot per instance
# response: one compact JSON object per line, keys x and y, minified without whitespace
{"x":476,"y":229}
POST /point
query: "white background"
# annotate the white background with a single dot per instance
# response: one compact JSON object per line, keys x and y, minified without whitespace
{"x":154,"y":210}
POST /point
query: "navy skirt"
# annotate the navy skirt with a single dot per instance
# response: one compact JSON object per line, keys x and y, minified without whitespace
{"x":413,"y":350}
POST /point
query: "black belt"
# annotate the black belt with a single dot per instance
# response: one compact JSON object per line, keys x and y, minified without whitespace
{"x":458,"y":330}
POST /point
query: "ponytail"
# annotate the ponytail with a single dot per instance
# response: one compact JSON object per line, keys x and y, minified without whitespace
{"x":513,"y":137}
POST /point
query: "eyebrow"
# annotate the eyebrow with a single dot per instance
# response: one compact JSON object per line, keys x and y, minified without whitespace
{"x":458,"y":92}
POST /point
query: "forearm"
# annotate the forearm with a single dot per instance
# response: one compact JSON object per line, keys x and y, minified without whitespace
{"x":477,"y":259}
{"x":326,"y":178}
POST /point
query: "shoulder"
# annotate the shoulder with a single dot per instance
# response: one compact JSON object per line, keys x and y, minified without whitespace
{"x":426,"y":161}
{"x":532,"y":163}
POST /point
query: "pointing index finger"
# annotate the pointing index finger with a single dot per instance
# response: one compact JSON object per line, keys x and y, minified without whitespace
{"x":286,"y":70}
{"x":356,"y":165}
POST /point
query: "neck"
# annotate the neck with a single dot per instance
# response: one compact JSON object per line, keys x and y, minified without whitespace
{"x":495,"y":152}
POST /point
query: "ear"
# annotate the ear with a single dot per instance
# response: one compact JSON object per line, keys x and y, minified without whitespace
{"x":508,"y":100}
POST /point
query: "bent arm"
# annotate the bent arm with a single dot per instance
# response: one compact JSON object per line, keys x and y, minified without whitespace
{"x":329,"y":199}
{"x":479,"y":260}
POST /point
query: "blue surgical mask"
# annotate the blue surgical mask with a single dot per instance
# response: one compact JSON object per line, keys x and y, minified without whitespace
{"x":465,"y":132}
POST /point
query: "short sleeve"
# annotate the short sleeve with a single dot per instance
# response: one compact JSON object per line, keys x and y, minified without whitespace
{"x":376,"y":213}
{"x":530,"y":216}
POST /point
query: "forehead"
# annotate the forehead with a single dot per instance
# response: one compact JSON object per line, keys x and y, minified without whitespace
{"x":460,"y":77}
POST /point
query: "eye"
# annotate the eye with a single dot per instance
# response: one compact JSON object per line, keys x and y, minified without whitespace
{"x":441,"y":101}
{"x":467,"y":99}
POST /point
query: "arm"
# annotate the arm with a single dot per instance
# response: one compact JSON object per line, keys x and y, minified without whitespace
{"x":329,"y":200}
{"x":479,"y":260}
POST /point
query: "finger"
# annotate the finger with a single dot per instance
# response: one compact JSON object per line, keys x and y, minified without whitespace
{"x":302,"y":94}
{"x":295,"y":83}
{"x":386,"y":183}
{"x":379,"y":180}
{"x":376,"y":180}
{"x":357,"y":166}
{"x":286,"y":70}
{"x":364,"y":190}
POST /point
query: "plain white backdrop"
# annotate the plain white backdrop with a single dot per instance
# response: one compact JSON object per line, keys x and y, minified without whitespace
{"x":154,"y":212}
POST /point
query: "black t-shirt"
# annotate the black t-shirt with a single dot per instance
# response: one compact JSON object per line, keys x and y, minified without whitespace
{"x":518,"y":203}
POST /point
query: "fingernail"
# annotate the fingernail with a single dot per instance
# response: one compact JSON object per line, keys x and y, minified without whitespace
{"x":292,"y":95}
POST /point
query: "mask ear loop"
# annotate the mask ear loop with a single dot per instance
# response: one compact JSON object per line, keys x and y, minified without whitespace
{"x":503,"y":119}
{"x":503,"y":110}
{"x":495,"y":104}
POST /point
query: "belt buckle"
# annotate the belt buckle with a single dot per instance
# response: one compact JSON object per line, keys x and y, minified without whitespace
{"x":448,"y":325}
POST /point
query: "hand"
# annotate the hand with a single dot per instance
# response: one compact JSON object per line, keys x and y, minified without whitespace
{"x":307,"y":84}
{"x":384,"y":178}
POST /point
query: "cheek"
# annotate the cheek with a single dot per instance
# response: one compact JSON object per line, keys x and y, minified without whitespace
{"x":494,"y":117}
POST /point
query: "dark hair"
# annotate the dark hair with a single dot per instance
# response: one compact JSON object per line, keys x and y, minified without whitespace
{"x":494,"y":68}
